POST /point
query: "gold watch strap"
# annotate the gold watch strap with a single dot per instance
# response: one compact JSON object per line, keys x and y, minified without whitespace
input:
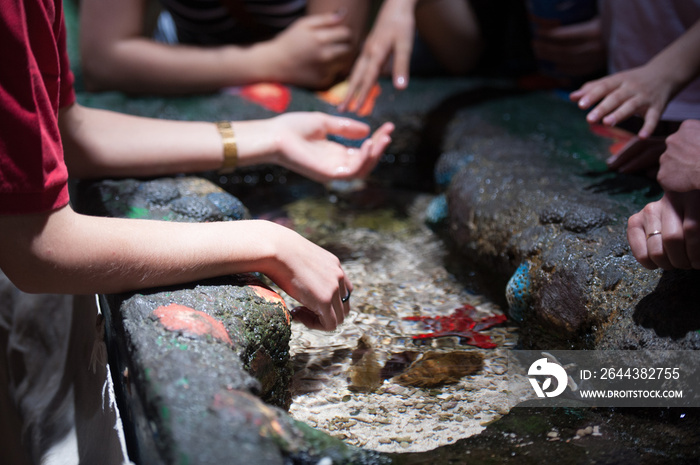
{"x":230,"y":148}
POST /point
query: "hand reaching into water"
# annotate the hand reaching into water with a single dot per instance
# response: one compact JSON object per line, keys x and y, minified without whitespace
{"x":311,"y":275}
{"x":666,"y":233}
{"x":391,"y":36}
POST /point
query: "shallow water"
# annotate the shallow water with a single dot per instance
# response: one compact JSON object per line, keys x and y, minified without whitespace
{"x":398,"y":267}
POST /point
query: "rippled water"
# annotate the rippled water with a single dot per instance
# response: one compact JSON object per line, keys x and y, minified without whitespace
{"x":397,"y":265}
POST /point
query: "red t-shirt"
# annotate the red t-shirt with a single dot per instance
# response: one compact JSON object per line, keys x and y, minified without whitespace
{"x":35,"y":81}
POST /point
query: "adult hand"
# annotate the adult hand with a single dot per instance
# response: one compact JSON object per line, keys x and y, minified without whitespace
{"x":391,"y":36}
{"x":638,"y":155}
{"x":643,"y":90}
{"x":666,"y":233}
{"x":302,"y":145}
{"x":311,"y":275}
{"x":575,"y":49}
{"x":680,"y":164}
{"x":311,"y":52}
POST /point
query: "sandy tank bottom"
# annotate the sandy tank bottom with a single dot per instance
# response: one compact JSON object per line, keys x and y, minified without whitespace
{"x":397,"y":272}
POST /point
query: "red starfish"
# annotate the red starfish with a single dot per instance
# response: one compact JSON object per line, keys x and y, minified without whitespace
{"x":460,"y":323}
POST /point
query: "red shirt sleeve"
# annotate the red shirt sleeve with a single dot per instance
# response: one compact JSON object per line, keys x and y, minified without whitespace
{"x":35,"y":81}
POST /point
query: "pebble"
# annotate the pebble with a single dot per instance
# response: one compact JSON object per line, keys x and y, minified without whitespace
{"x":553,"y":434}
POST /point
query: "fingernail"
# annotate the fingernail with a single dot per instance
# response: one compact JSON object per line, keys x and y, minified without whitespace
{"x":400,"y":81}
{"x":643,"y":134}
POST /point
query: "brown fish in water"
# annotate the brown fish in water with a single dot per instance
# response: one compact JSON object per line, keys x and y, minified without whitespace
{"x":436,"y":369}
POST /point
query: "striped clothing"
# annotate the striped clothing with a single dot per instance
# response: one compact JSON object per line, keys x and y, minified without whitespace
{"x":211,"y":22}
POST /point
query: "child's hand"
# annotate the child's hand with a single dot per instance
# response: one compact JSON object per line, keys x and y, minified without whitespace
{"x":303,"y":147}
{"x":311,"y":52}
{"x":309,"y":274}
{"x":640,"y":90}
{"x":391,"y":36}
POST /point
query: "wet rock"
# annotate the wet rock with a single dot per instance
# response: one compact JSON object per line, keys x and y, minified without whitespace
{"x":198,"y":209}
{"x":187,"y":199}
{"x":537,"y":191}
{"x":573,"y":217}
{"x":159,"y":191}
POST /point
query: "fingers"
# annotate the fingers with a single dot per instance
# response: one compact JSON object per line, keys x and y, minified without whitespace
{"x":308,"y":318}
{"x":337,"y":310}
{"x":364,"y":75}
{"x":345,"y":127}
{"x":647,"y":161}
{"x":630,"y":150}
{"x":616,"y":106}
{"x":337,"y":34}
{"x":402,"y":63}
{"x":666,"y":233}
{"x":322,"y":20}
{"x":637,"y":155}
{"x":651,"y":119}
{"x":341,"y":302}
{"x":636,"y":236}
{"x":672,"y":253}
{"x":371,"y":151}
{"x":592,"y":92}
